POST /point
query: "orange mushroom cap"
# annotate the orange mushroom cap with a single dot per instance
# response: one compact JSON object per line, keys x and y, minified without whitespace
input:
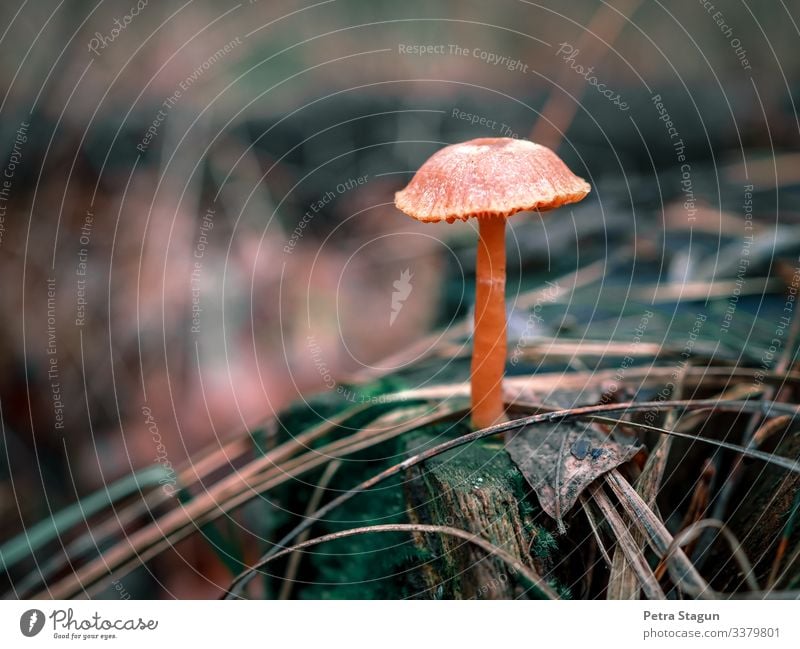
{"x":493,"y":176}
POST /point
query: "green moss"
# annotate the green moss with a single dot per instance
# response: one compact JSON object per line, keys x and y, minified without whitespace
{"x":370,"y":566}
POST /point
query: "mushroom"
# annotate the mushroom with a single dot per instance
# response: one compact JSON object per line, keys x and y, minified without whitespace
{"x":489,"y":179}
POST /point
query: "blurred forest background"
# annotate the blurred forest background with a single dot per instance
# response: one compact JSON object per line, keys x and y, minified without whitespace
{"x":198,"y":225}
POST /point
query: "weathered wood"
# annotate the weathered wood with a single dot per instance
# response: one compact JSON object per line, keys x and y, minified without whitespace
{"x":763,"y":507}
{"x":480,"y":490}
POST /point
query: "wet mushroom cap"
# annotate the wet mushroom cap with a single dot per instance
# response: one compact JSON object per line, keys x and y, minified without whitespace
{"x":489,"y":177}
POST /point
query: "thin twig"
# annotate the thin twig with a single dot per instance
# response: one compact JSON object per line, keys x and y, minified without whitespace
{"x":785,"y":463}
{"x":693,"y":531}
{"x":313,"y":505}
{"x":708,"y":377}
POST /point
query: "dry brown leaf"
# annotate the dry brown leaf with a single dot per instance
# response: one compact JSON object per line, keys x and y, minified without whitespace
{"x":560,"y":460}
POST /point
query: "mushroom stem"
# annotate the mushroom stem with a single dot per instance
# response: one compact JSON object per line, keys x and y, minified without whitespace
{"x":489,"y":336}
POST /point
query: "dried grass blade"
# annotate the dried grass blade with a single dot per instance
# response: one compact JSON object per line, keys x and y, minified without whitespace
{"x":658,"y":537}
{"x":634,"y":556}
{"x":595,"y":530}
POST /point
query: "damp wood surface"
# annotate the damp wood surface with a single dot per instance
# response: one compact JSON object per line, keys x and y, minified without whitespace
{"x":477,"y":489}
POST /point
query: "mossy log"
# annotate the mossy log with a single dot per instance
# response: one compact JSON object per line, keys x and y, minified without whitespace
{"x":477,"y":489}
